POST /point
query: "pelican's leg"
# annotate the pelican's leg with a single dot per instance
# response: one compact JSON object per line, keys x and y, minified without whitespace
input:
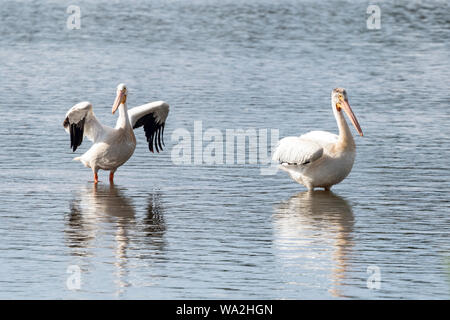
{"x":95,"y":175}
{"x":111,"y":176}
{"x":327,"y":188}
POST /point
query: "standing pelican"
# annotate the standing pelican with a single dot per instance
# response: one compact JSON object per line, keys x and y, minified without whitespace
{"x":114,"y":146}
{"x":319,"y":158}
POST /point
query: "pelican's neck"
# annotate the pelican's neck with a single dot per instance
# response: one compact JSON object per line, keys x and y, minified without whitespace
{"x":345,"y":141}
{"x":123,"y":121}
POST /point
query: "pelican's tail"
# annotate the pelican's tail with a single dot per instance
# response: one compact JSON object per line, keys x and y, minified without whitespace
{"x":83,"y":161}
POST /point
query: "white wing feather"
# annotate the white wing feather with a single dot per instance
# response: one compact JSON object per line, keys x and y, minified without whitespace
{"x":322,"y":138}
{"x":152,"y":116}
{"x":297,"y":151}
{"x":160,"y":110}
{"x":304,"y":149}
{"x":93,"y":129}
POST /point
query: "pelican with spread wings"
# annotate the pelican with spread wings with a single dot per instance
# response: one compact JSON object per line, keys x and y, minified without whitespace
{"x":112,"y":147}
{"x":320,"y":159}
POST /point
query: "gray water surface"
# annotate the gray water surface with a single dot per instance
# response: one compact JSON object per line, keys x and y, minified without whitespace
{"x":226,"y":231}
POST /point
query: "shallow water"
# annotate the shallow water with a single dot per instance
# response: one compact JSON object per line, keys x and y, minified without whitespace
{"x":224,"y":230}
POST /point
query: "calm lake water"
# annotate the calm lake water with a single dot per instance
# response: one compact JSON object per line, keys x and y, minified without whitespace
{"x":226,"y":231}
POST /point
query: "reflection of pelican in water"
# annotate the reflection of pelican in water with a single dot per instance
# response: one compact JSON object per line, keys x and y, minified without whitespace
{"x":93,"y":206}
{"x":313,"y":229}
{"x":106,"y":203}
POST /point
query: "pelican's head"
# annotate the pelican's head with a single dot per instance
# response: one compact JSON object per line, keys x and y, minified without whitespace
{"x":121,"y":96}
{"x":340,"y":102}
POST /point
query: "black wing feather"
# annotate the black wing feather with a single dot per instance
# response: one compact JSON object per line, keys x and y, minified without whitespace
{"x":159,"y":136}
{"x":153,"y":131}
{"x":76,"y":132}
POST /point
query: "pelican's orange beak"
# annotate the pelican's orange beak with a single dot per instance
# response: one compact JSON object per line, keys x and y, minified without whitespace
{"x":346,"y":106}
{"x":120,"y":98}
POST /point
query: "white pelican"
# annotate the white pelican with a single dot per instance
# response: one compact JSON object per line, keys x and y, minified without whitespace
{"x":114,"y":146}
{"x":319,"y":158}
